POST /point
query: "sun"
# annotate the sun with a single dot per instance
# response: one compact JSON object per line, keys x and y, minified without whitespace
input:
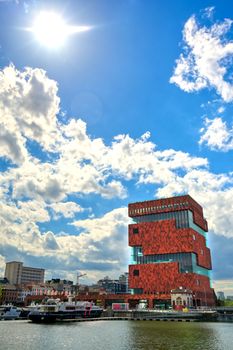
{"x":51,"y":30}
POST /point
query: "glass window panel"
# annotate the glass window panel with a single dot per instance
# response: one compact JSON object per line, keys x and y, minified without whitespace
{"x":183,"y":219}
{"x":187,"y":261}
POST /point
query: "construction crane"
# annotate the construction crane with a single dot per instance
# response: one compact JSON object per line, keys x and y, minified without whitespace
{"x":77,"y":285}
{"x":78,"y":276}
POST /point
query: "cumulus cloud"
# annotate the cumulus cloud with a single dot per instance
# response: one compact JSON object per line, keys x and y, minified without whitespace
{"x":2,"y":265}
{"x":223,"y":285}
{"x":213,"y":191}
{"x":28,"y":108}
{"x":101,"y":246}
{"x":12,"y":145}
{"x":50,"y":242}
{"x":65,"y":209}
{"x":104,"y":239}
{"x":206,"y":59}
{"x":216,"y":135}
{"x":83,"y":165}
{"x":37,"y":189}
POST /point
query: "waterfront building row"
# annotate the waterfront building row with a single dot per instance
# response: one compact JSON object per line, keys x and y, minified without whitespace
{"x":57,"y":288}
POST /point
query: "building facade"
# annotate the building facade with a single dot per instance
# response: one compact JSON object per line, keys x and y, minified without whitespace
{"x":111,"y":286}
{"x":220,"y":295}
{"x":8,"y":294}
{"x":168,"y":240}
{"x":16,"y":273}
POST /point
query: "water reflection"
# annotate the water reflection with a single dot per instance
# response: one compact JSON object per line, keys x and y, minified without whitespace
{"x":116,"y":335}
{"x":176,"y":335}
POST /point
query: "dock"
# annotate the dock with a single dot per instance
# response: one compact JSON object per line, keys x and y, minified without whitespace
{"x":127,"y":319}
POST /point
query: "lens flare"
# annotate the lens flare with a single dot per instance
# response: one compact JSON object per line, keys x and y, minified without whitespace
{"x":51,"y":30}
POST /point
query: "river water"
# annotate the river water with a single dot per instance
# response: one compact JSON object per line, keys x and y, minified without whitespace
{"x":116,"y":335}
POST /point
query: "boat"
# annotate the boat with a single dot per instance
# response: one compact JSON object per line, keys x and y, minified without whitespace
{"x":9,"y":312}
{"x":27,"y":309}
{"x":53,"y":310}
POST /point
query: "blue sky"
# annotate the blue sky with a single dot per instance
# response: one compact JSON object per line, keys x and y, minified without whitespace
{"x":136,"y":107}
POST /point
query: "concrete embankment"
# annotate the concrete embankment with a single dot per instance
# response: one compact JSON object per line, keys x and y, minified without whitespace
{"x":163,"y":315}
{"x":153,"y":316}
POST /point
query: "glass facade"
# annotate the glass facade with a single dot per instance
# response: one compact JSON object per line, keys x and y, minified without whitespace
{"x":183,"y":218}
{"x":137,"y":291}
{"x":187,"y":261}
{"x":198,"y":269}
{"x":194,"y":226}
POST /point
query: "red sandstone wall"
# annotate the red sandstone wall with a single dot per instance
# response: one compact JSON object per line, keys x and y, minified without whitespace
{"x":189,"y":202}
{"x":162,"y":237}
{"x":161,"y":278}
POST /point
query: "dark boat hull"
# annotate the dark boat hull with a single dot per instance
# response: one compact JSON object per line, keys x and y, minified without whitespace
{"x":50,"y":317}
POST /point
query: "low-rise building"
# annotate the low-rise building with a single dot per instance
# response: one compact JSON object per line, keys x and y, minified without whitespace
{"x":8,"y":294}
{"x":114,"y":286}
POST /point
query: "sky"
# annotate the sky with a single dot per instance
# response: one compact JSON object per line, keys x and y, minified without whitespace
{"x":129,"y":100}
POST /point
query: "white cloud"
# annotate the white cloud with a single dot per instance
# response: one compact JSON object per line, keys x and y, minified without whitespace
{"x":32,"y":211}
{"x":208,"y":12}
{"x":101,"y":246}
{"x":36,"y":180}
{"x":103,"y":239}
{"x":2,"y":265}
{"x":50,"y":242}
{"x":28,"y":108}
{"x":38,"y":190}
{"x":12,"y":145}
{"x":67,"y":209}
{"x":225,"y":286}
{"x":216,"y":135}
{"x":221,"y":109}
{"x":213,"y":192}
{"x":84,"y":165}
{"x":206,"y":59}
{"x":114,"y":189}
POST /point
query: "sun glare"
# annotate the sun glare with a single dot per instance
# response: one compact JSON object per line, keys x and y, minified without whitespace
{"x":51,"y":30}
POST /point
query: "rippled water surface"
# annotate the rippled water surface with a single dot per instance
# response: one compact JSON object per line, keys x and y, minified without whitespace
{"x":116,"y":335}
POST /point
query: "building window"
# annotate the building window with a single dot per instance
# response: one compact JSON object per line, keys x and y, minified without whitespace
{"x":135,"y":230}
{"x":194,"y":237}
{"x":178,"y":301}
{"x":136,"y":272}
{"x":137,"y":291}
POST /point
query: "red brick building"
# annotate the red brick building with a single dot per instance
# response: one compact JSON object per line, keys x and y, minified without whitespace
{"x":168,"y":240}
